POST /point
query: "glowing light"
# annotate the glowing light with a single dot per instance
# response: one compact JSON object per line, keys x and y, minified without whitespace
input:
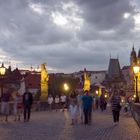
{"x":2,"y":69}
{"x":122,"y":100}
{"x":132,"y":99}
{"x":97,"y":92}
{"x":66,"y":87}
{"x":136,"y":69}
{"x":134,"y":96}
{"x":105,"y":95}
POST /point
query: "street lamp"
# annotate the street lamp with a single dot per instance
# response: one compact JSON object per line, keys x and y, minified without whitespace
{"x":66,"y":87}
{"x":97,"y":92}
{"x":136,"y":70}
{"x":2,"y":73}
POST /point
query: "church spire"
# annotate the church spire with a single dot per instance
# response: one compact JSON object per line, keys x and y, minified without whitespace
{"x":133,"y":49}
{"x":139,"y":53}
{"x":133,"y":52}
{"x":133,"y":56}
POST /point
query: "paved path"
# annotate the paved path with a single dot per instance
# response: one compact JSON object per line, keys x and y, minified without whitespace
{"x":56,"y":126}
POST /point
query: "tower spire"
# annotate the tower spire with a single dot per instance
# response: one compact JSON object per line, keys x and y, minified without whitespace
{"x":139,"y":53}
{"x":133,"y":56}
{"x":133,"y":48}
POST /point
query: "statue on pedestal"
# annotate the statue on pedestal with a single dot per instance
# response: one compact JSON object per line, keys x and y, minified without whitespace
{"x":87,"y":80}
{"x":44,"y":82}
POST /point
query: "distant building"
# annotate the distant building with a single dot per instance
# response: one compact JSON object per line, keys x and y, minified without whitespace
{"x":32,"y":82}
{"x":11,"y":79}
{"x":114,"y":77}
{"x":98,"y":77}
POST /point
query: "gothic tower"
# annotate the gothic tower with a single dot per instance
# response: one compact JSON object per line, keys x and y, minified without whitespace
{"x":138,"y":58}
{"x":133,"y":57}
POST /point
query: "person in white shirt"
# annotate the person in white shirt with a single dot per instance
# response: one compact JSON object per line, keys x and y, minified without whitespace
{"x":57,"y":101}
{"x":80,"y":106}
{"x":73,"y":107}
{"x":63,"y":101}
{"x":50,"y":101}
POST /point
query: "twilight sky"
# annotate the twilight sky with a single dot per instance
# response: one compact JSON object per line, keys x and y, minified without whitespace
{"x":69,"y":35}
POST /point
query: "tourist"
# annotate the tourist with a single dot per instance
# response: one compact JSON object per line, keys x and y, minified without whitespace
{"x":63,"y":101}
{"x":17,"y":107}
{"x":103,"y":102}
{"x":116,"y":107}
{"x":80,"y":106}
{"x":73,"y":107}
{"x":27,"y":103}
{"x":87,"y":107}
{"x":50,"y":101}
{"x":57,"y":102}
{"x":5,"y":101}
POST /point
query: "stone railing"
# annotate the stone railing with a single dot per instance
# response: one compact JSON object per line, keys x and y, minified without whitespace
{"x":135,"y":109}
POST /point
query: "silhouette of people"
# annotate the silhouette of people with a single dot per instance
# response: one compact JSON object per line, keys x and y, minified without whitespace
{"x":5,"y":100}
{"x":103,"y":102}
{"x":116,"y":107}
{"x":87,"y":107}
{"x":27,"y":103}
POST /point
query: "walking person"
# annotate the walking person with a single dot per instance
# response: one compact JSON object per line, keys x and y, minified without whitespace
{"x":56,"y":101}
{"x":102,"y":102}
{"x":87,"y":107}
{"x":5,"y":104}
{"x":27,"y":103}
{"x":50,"y":102}
{"x":115,"y":106}
{"x":73,"y":107}
{"x":17,"y":108}
{"x":80,"y":106}
{"x":63,"y":101}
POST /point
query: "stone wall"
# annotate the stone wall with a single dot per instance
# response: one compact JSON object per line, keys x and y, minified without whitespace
{"x":135,"y":108}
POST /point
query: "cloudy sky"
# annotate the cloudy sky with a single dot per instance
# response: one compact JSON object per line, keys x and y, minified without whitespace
{"x":69,"y":35}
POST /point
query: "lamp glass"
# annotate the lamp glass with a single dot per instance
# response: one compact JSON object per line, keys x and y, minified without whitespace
{"x":2,"y":70}
{"x":66,"y":87}
{"x":136,"y":69}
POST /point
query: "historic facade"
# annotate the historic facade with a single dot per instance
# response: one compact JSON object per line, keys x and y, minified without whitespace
{"x":114,"y":77}
{"x":134,"y":60}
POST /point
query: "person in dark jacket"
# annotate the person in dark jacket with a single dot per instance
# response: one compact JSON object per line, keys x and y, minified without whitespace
{"x":116,"y":107}
{"x":102,"y":102}
{"x":87,"y":107}
{"x":27,"y":103}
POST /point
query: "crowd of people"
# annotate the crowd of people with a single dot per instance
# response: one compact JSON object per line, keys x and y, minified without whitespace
{"x":14,"y":103}
{"x":80,"y":105}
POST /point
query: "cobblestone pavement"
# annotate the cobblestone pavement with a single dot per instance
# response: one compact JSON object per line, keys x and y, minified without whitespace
{"x":56,"y":126}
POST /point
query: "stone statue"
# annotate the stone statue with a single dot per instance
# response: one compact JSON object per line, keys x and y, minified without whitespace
{"x":44,"y":74}
{"x":87,"y":80}
{"x":44,"y":82}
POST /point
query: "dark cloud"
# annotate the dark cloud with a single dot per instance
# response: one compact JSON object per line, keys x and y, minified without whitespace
{"x":96,"y":29}
{"x":105,"y":14}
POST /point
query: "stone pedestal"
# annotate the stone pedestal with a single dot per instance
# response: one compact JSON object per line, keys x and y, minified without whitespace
{"x":44,"y":92}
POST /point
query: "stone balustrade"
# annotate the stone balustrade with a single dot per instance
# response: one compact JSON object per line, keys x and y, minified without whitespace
{"x":135,"y":109}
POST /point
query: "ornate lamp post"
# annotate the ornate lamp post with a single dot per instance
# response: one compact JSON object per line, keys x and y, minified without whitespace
{"x":2,"y":73}
{"x":136,"y":70}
